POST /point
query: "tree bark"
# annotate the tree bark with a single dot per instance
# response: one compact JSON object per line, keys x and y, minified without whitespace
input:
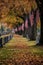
{"x":40,"y":6}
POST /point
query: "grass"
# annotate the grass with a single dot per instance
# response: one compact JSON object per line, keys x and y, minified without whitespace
{"x":19,"y":49}
{"x":20,"y":45}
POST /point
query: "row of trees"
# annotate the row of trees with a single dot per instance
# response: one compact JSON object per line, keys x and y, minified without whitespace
{"x":30,"y":26}
{"x":21,"y":9}
{"x":39,"y":4}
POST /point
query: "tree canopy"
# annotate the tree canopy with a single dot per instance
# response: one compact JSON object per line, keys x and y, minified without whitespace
{"x":11,"y":9}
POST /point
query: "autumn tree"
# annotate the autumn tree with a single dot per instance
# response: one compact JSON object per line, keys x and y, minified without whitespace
{"x":21,"y":9}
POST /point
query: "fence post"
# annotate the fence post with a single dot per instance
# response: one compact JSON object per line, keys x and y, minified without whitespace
{"x":1,"y":42}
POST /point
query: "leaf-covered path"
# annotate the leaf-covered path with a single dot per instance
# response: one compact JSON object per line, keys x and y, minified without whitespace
{"x":21,"y":51}
{"x":20,"y":41}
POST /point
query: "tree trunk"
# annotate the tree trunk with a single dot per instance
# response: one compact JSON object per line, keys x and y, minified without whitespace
{"x":27,"y":27}
{"x":40,"y":6}
{"x":33,"y":25}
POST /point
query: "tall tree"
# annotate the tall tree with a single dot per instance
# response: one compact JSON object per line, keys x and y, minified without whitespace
{"x":40,"y":6}
{"x":20,"y":8}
